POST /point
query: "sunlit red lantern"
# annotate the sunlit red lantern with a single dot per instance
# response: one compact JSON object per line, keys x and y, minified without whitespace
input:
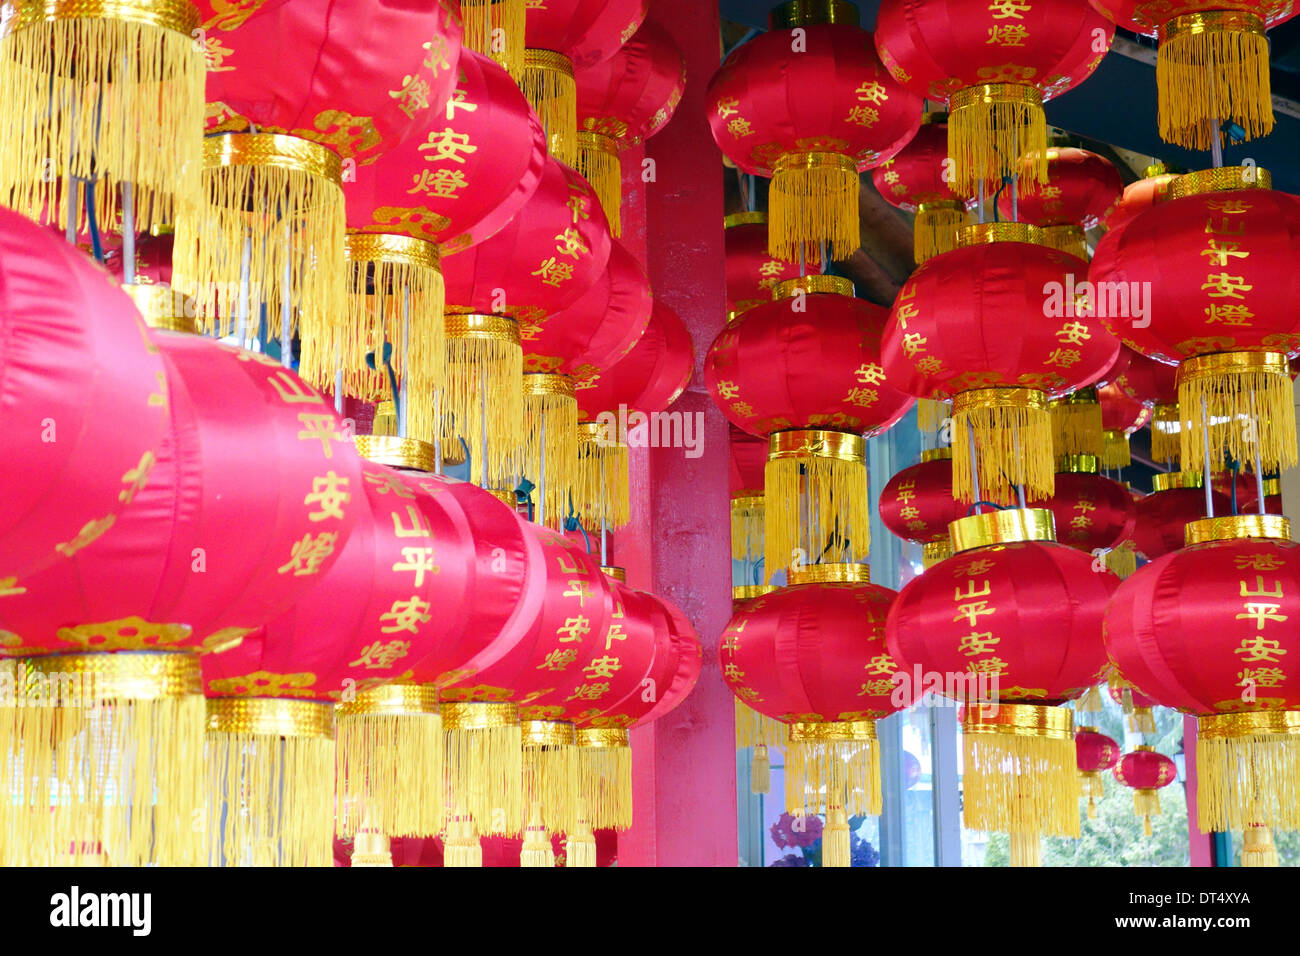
{"x":1091,"y":512}
{"x":1140,"y":195}
{"x":1211,"y":65}
{"x":553,"y":253}
{"x":917,"y":504}
{"x":1146,"y":771}
{"x":1019,"y":616}
{"x":1210,"y":628}
{"x":618,"y":400}
{"x":1216,"y":258}
{"x":751,"y":272}
{"x":768,"y":121}
{"x":1177,"y":497}
{"x":993,"y":64}
{"x":623,"y":102}
{"x":806,"y":370}
{"x":1094,"y":753}
{"x":918,"y":180}
{"x":1080,"y":190}
{"x":982,"y":326}
{"x":461,"y":175}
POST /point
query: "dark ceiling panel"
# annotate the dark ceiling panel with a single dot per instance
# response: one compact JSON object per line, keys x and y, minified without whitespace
{"x":753,"y":13}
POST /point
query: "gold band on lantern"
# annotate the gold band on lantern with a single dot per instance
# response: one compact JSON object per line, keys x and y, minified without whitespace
{"x":549,"y":383}
{"x":1002,"y":527}
{"x":747,"y":592}
{"x":180,"y":16}
{"x":1250,"y":724}
{"x":1164,"y":481}
{"x":940,"y":204}
{"x":1217,"y":363}
{"x":548,"y":60}
{"x":1214,"y":21}
{"x":617,"y":573}
{"x":937,"y":454}
{"x":270,"y":717}
{"x":745,"y":218}
{"x":590,"y":433}
{"x":388,"y":247}
{"x":163,"y":307}
{"x":1020,"y":720}
{"x":1222,"y":179}
{"x":999,"y":398}
{"x":814,"y":284}
{"x":1233,"y":527}
{"x":392,"y":700}
{"x":409,"y":453}
{"x":833,"y":730}
{"x":274,"y":150}
{"x":806,"y":13}
{"x":748,"y":503}
{"x":135,"y":675}
{"x":836,"y":573}
{"x":932,"y":552}
{"x":547,"y":733}
{"x":979,"y":233}
{"x":815,"y":160}
{"x":481,"y":325}
{"x":1272,"y":487}
{"x":818,"y":442}
{"x":597,"y":141}
{"x":479,"y":715}
{"x":995,"y":93}
{"x":1077,"y":465}
{"x":601,"y":737}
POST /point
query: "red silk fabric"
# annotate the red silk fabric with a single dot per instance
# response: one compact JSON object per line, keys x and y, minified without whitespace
{"x":748,"y":461}
{"x":1119,"y":411}
{"x":1146,"y":770}
{"x":1147,"y":380}
{"x":687,"y":662}
{"x":751,"y":272}
{"x":633,"y":94}
{"x":917,"y":503}
{"x":655,"y":371}
{"x":775,"y":368}
{"x":83,"y":401}
{"x":976,"y":318}
{"x":587,"y":31}
{"x":1162,"y":515}
{"x":1028,"y":612}
{"x":464,"y":172}
{"x":915,"y":174}
{"x":1081,"y":189}
{"x":1094,"y":752}
{"x":355,"y":77}
{"x":1137,"y":197}
{"x":1136,"y":697}
{"x":1090,"y":511}
{"x":770,"y":98}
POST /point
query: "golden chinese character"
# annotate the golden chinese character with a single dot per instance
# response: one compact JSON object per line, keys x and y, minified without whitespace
{"x":1229,"y":206}
{"x":913,"y":342}
{"x":989,"y":665}
{"x":579,"y":206}
{"x":136,"y":478}
{"x":438,"y":182}
{"x":1221,"y":251}
{"x":384,"y":484}
{"x":406,"y":616}
{"x":739,"y":127}
{"x":1073,"y":333}
{"x":1008,"y":34}
{"x":1009,"y":9}
{"x":558,"y":660}
{"x":1258,"y":562}
{"x":293,"y":390}
{"x":458,"y":102}
{"x":448,"y":145}
{"x":309,"y":553}
{"x":419,"y":561}
{"x":574,"y":629}
{"x":570,"y":243}
{"x":978,"y":643}
{"x":380,"y":656}
{"x":319,"y":428}
{"x":972,"y":611}
{"x":876,"y":688}
{"x":437,"y":58}
{"x":1260,"y":676}
{"x":9,"y":587}
{"x":615,"y":633}
{"x":1258,"y":648}
{"x":1063,"y":358}
{"x":419,"y":524}
{"x":413,"y":95}
{"x":330,"y":492}
{"x":579,"y":588}
{"x":727,"y":107}
{"x":862,"y":116}
{"x":589,"y":692}
{"x":731,"y":672}
{"x":881,"y":664}
{"x":872,"y":92}
{"x":977,"y":566}
{"x":861,"y":397}
{"x":728,"y":389}
{"x":553,"y":272}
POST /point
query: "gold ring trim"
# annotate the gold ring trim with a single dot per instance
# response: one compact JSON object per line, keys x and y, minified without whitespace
{"x":1008,"y":526}
{"x":392,"y":700}
{"x":1213,"y":21}
{"x":995,"y":93}
{"x":179,"y":16}
{"x":749,"y":217}
{"x":981,"y":233}
{"x":1234,"y":527}
{"x":597,"y":141}
{"x":387,"y":247}
{"x":999,"y":398}
{"x":163,"y":307}
{"x":549,"y":61}
{"x":838,"y":573}
{"x":547,"y":733}
{"x":816,"y":443}
{"x":615,"y":572}
{"x":829,"y":731}
{"x":805,"y":13}
{"x":601,"y":737}
{"x":127,"y":675}
{"x":814,"y":284}
{"x":549,"y":383}
{"x":1165,"y":481}
{"x":1250,"y":724}
{"x":409,"y":453}
{"x":1213,"y":365}
{"x":272,"y":149}
{"x":1222,"y":179}
{"x":1020,"y":720}
{"x":481,"y":325}
{"x":747,"y":592}
{"x":814,"y":160}
{"x":270,"y":717}
{"x":1077,"y":465}
{"x":937,"y":454}
{"x":479,"y":715}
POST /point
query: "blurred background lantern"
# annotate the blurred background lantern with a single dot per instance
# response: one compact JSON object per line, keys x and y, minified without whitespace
{"x":805,"y":370}
{"x":756,"y":730}
{"x":917,"y":504}
{"x":748,"y":461}
{"x":813,"y":147}
{"x":994,"y":65}
{"x":1094,"y":753}
{"x":1209,"y":624}
{"x":812,"y":655}
{"x":972,"y":325}
{"x":1121,"y":416}
{"x":1211,"y":65}
{"x":495,"y":28}
{"x":1155,"y":384}
{"x":1140,"y":195}
{"x":621,"y":102}
{"x":1091,"y":512}
{"x":1177,"y":497}
{"x":1146,"y":771}
{"x":1076,"y":424}
{"x":1214,"y":255}
{"x":917,"y":180}
{"x":105,"y":98}
{"x":1136,"y":705}
{"x":1026,"y":633}
{"x":752,"y":273}
{"x":1080,"y":190}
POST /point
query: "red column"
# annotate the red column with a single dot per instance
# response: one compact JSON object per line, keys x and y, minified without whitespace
{"x":678,"y":543}
{"x":1201,"y":845}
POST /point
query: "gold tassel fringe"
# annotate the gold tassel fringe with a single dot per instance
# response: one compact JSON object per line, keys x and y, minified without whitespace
{"x":747,"y":527}
{"x":760,"y":771}
{"x":1121,"y":560}
{"x":831,"y":762}
{"x":601,"y":481}
{"x":550,"y":785}
{"x":599,"y":164}
{"x":549,"y":86}
{"x":934,"y":232}
{"x":1090,"y":702}
{"x":1144,"y":721}
{"x":537,"y":850}
{"x":813,"y":200}
{"x":101,"y":98}
{"x":931,"y":414}
{"x":1076,"y":428}
{"x":390,"y":768}
{"x":1146,"y":804}
{"x":580,"y":847}
{"x":483,"y":390}
{"x":550,"y":458}
{"x":484,"y":776}
{"x":1115,"y":452}
{"x":1026,"y":848}
{"x":1257,"y":847}
{"x":371,"y":848}
{"x":1013,"y":445}
{"x":1249,"y":398}
{"x":1020,"y":782}
{"x":754,"y":729}
{"x":836,"y":845}
{"x":1068,"y":239}
{"x":1213,"y":66}
{"x":605,"y":784}
{"x":1248,"y":771}
{"x":997,"y":130}
{"x":495,"y":28}
{"x":1166,"y":427}
{"x":461,"y":846}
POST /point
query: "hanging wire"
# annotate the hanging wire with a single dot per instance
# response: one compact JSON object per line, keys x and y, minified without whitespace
{"x":92,"y":223}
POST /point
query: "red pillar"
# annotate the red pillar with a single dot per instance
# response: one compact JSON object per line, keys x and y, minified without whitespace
{"x":678,"y":543}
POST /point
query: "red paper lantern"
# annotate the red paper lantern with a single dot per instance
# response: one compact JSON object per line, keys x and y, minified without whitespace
{"x":1140,"y":195}
{"x":1146,"y":772}
{"x":751,"y":272}
{"x":980,"y":325}
{"x":917,"y":504}
{"x":84,"y":401}
{"x":1094,"y":753}
{"x":918,"y":180}
{"x":1215,"y":256}
{"x":1211,"y":66}
{"x":1080,"y":191}
{"x":994,"y":64}
{"x":1121,"y":416}
{"x":1091,"y":512}
{"x":622,"y":102}
{"x":1177,"y":498}
{"x":767,"y":120}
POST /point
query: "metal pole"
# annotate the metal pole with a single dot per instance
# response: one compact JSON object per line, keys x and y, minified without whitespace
{"x":286,"y":310}
{"x":1259,"y":472}
{"x":1015,"y":200}
{"x":980,"y":199}
{"x":1205,"y":437}
{"x":128,"y":234}
{"x":974,"y":463}
{"x":483,"y":437}
{"x":245,"y":267}
{"x":403,"y":411}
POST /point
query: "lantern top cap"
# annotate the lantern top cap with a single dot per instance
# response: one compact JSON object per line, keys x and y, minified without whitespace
{"x":277,"y":150}
{"x":549,"y":383}
{"x":747,"y":592}
{"x":1007,"y":526}
{"x":1166,"y":481}
{"x":1145,"y":748}
{"x":615,"y":572}
{"x":408,"y":454}
{"x":270,"y":716}
{"x":833,"y":730}
{"x":1020,"y":720}
{"x":1230,"y":527}
{"x":980,"y":233}
{"x":838,"y":573}
{"x":1080,"y":396}
{"x":362,"y":247}
{"x":937,"y":454}
{"x":1077,"y":465}
{"x":806,"y":13}
{"x":163,"y":307}
{"x":814,"y":285}
{"x":751,"y":217}
{"x":396,"y":699}
{"x":816,"y":443}
{"x":1222,"y":179}
{"x":1086,"y":730}
{"x":481,"y":325}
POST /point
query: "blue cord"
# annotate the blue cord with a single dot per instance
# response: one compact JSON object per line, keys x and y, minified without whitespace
{"x":92,"y":223}
{"x":990,"y":504}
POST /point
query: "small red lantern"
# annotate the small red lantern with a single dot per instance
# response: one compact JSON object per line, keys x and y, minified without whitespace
{"x":994,"y":64}
{"x":1136,"y":705}
{"x":1177,"y":497}
{"x":1140,"y":195}
{"x":918,"y":180}
{"x":1146,"y":772}
{"x":748,"y":460}
{"x":1092,"y":512}
{"x":766,"y":120}
{"x":752,"y":273}
{"x":1155,"y":384}
{"x":917,"y":504}
{"x":1121,"y":416}
{"x":1094,"y":753}
{"x":1080,"y":191}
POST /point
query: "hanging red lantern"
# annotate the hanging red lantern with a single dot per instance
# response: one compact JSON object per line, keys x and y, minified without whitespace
{"x":1080,"y":190}
{"x":806,"y":370}
{"x":1140,"y":195}
{"x":84,"y":401}
{"x":1208,"y":623}
{"x":1020,"y":616}
{"x":748,"y":461}
{"x":983,"y":326}
{"x":621,"y":398}
{"x":1091,"y":512}
{"x":1121,"y":416}
{"x":1094,"y":753}
{"x":1216,"y":255}
{"x":751,"y":272}
{"x":1177,"y":497}
{"x":622,"y":102}
{"x":1155,"y":384}
{"x":918,"y":180}
{"x":813,"y":148}
{"x":1146,"y":772}
{"x":1211,"y":65}
{"x":1136,"y":705}
{"x":994,"y":65}
{"x":917,"y":504}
